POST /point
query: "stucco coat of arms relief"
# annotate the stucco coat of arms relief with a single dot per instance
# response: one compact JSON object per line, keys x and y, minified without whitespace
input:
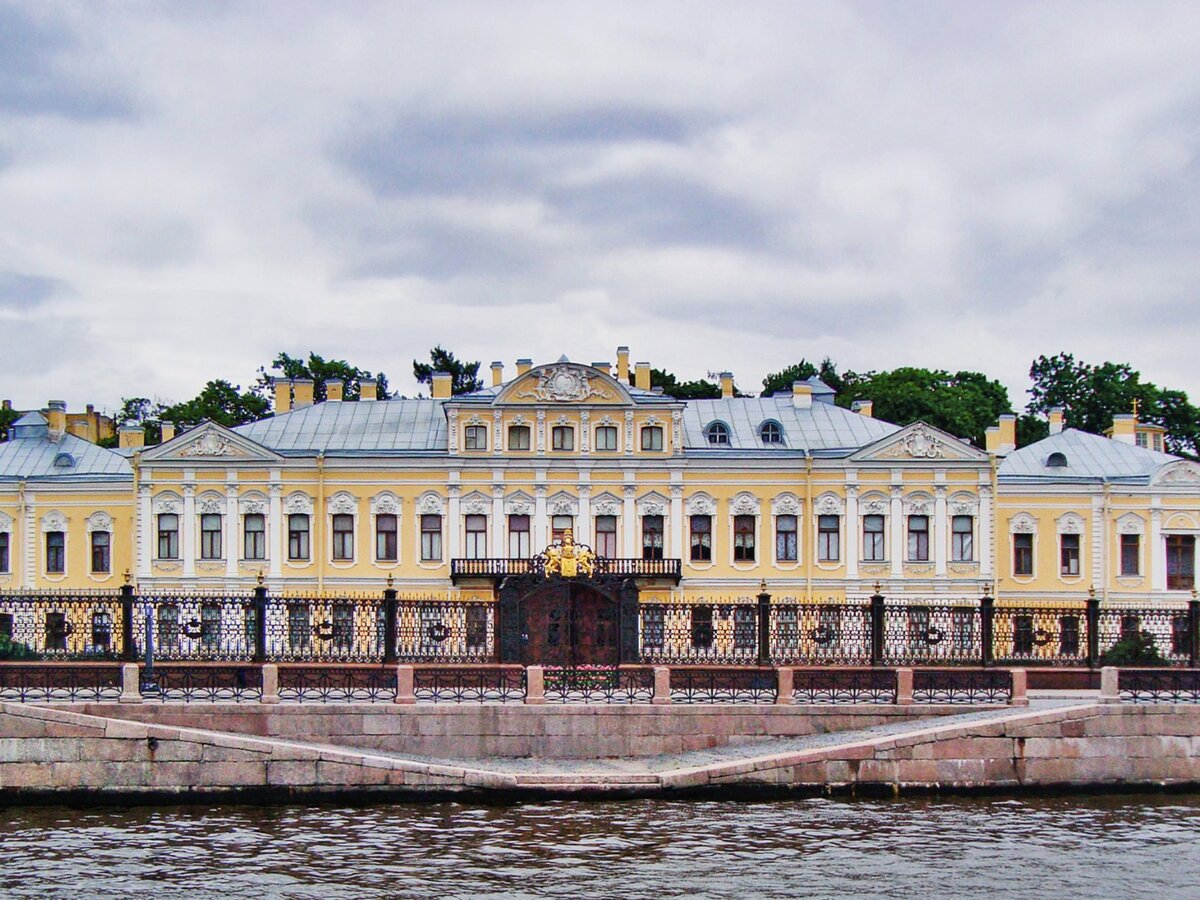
{"x":566,"y":384}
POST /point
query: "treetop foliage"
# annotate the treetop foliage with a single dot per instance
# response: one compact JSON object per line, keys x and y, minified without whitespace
{"x":464,"y":375}
{"x":319,"y":369}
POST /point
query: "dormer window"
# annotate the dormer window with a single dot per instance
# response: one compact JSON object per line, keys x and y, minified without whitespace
{"x":1056,"y":461}
{"x":64,"y":461}
{"x":771,"y":433}
{"x":717,"y":434}
{"x":652,"y":438}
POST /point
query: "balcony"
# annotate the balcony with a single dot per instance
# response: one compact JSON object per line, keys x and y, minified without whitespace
{"x":500,"y":568}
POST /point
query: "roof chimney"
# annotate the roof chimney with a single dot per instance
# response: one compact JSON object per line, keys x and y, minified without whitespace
{"x":1056,"y":420}
{"x":335,"y":389}
{"x":56,"y":418}
{"x":443,"y":382}
{"x":604,"y":367}
{"x":802,"y":395}
{"x":302,"y":392}
{"x":863,"y":407}
{"x":523,"y":366}
{"x":641,"y":376}
{"x":283,"y":395}
{"x":497,"y":373}
{"x":1124,"y":428}
{"x":726,"y":385}
{"x":168,"y":432}
{"x":1001,"y":439}
{"x":368,"y":389}
{"x":623,"y":365}
{"x":131,"y":436}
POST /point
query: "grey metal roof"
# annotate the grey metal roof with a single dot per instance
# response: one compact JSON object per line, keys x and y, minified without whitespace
{"x":821,"y":426}
{"x":1089,"y":456}
{"x":363,"y":425}
{"x":32,"y":454}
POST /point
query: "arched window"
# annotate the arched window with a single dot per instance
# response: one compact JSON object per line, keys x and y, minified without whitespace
{"x":1056,"y":461}
{"x":771,"y":433}
{"x":717,"y":434}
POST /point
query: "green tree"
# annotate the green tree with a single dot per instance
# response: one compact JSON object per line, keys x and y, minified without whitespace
{"x":781,"y":382}
{"x":222,"y":402}
{"x":138,"y":411}
{"x":464,"y":375}
{"x":684,"y":390}
{"x":319,"y":370}
{"x":7,"y":417}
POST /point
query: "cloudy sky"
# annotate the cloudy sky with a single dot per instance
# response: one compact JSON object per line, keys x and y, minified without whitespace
{"x":188,"y":188}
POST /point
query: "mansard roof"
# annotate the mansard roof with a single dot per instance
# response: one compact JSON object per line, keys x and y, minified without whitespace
{"x":821,"y":428}
{"x":1089,"y":457}
{"x":366,"y":426}
{"x":30,"y":454}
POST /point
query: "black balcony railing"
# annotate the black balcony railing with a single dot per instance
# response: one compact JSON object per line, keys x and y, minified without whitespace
{"x":626,"y":568}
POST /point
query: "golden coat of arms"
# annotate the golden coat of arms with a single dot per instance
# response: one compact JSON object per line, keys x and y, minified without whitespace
{"x":569,"y":559}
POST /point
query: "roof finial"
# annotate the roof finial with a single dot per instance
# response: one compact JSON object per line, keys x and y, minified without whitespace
{"x":1137,"y":403}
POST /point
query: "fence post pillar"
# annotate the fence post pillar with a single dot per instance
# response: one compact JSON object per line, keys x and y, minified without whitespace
{"x":535,"y":685}
{"x":128,"y":648}
{"x":904,"y":687}
{"x":1093,"y":632}
{"x":404,"y":685}
{"x":260,"y":624}
{"x":270,"y":681}
{"x":389,"y":624}
{"x":877,"y":627}
{"x":1020,"y":683}
{"x":987,"y":619}
{"x":764,"y":626}
{"x":131,"y":684}
{"x":784,"y":686}
{"x":1193,"y":632}
{"x":662,"y":686}
{"x":1110,"y":685}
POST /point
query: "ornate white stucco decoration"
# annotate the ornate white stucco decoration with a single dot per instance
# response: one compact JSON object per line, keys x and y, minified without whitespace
{"x":210,"y":504}
{"x":566,"y":384}
{"x":653,"y":504}
{"x":607,"y":421}
{"x":563,"y":504}
{"x":1182,"y":472}
{"x":431,"y":504}
{"x":343,"y":504}
{"x":476,"y":504}
{"x":1131,"y":524}
{"x":1070,"y":524}
{"x":99,"y":521}
{"x":874,"y":505}
{"x":563,"y":420}
{"x":518,"y":504}
{"x":252,"y":504}
{"x":6,"y":522}
{"x":701,"y":505}
{"x":541,"y":431}
{"x":475,"y":420}
{"x":677,"y":431}
{"x":209,"y":444}
{"x":918,"y":505}
{"x":54,"y":521}
{"x":964,"y":505}
{"x":299,"y":503}
{"x":1022,"y":523}
{"x":829,"y":505}
{"x":606,"y":505}
{"x":744,"y":504}
{"x":518,"y":420}
{"x":920,"y":443}
{"x":385,"y":503}
{"x":629,"y":431}
{"x":497,"y":430}
{"x":786,"y":505}
{"x":1180,"y":520}
{"x":167,"y":503}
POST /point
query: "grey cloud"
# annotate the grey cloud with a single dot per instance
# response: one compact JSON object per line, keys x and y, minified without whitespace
{"x":23,"y":292}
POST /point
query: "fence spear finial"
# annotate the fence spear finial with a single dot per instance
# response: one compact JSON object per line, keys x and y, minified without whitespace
{"x":260,"y":577}
{"x":390,"y":580}
{"x":127,"y":575}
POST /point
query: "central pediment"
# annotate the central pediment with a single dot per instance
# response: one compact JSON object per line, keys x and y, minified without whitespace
{"x":565,"y":382}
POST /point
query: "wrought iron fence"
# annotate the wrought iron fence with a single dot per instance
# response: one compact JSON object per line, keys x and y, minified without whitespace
{"x":319,"y":629}
{"x":708,"y":633}
{"x":809,"y":634}
{"x":1041,"y":635}
{"x":469,"y":684}
{"x":40,"y":683}
{"x":210,"y":683}
{"x":599,"y":684}
{"x":1159,"y":685}
{"x":962,"y":686}
{"x":337,"y":683}
{"x":62,"y":625}
{"x":446,"y":631}
{"x":918,"y":634}
{"x":187,"y":627}
{"x":709,"y":684}
{"x":844,"y":685}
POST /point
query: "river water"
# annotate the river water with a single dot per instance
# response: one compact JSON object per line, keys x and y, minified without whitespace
{"x":1109,"y":847}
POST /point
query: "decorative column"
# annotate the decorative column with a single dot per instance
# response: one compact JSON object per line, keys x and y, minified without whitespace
{"x":453,"y":523}
{"x":144,"y":532}
{"x":31,"y":532}
{"x":585,"y":431}
{"x":1156,"y":557}
{"x":941,"y":534}
{"x":541,"y":525}
{"x":188,"y":536}
{"x":677,"y":521}
{"x":628,"y":523}
{"x":497,"y":431}
{"x":629,"y":432}
{"x":275,"y":522}
{"x":986,"y":538}
{"x":541,"y":433}
{"x":232,"y":548}
{"x":853,"y":529}
{"x":583,"y":522}
{"x":1097,"y":546}
{"x":897,"y":522}
{"x":499,"y":545}
{"x":452,"y":431}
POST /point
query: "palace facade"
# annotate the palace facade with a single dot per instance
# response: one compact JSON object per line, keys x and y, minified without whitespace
{"x":697,"y":501}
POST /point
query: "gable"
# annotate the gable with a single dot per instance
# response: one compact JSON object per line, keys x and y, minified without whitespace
{"x":210,"y":442}
{"x":565,"y":383}
{"x":1183,"y":473}
{"x":919,"y":442}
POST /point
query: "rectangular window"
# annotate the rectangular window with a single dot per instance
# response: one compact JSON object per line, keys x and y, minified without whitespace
{"x":343,"y":626}
{"x":743,"y":538}
{"x":476,"y":537}
{"x":606,"y":536}
{"x":518,"y":537}
{"x":873,"y":543}
{"x":1181,"y":634}
{"x":918,"y":627}
{"x":101,"y":552}
{"x":475,"y":437}
{"x":606,"y":437}
{"x":210,"y":536}
{"x":387,"y":543}
{"x":298,"y":536}
{"x":1068,"y":635}
{"x":652,"y":438}
{"x":560,"y":525}
{"x":653,"y":630}
{"x":56,"y":630}
{"x":962,"y":539}
{"x":1022,"y":554}
{"x":56,"y":551}
{"x":101,"y":630}
{"x":1141,"y":438}
{"x":168,"y":536}
{"x":210,"y":626}
{"x":518,"y":437}
{"x":745,"y":628}
{"x":1069,"y":554}
{"x":1181,"y":562}
{"x":786,"y":543}
{"x":1023,"y":635}
{"x":299,"y":630}
{"x":828,"y":543}
{"x":918,"y":538}
{"x":431,"y":538}
{"x":652,"y":537}
{"x":477,"y":627}
{"x":167,"y":627}
{"x":4,"y":563}
{"x":701,"y":539}
{"x":254,"y":536}
{"x":702,"y":627}
{"x":343,"y":536}
{"x":562,"y":437}
{"x":1131,"y":554}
